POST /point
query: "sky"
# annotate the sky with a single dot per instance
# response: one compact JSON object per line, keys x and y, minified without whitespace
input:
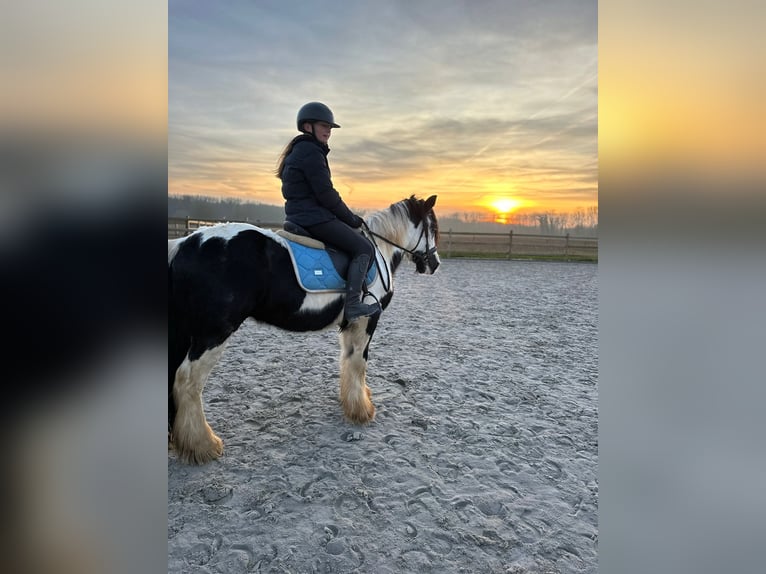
{"x":490,"y":104}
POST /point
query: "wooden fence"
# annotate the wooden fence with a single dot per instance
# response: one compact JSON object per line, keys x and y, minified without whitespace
{"x":463,"y":244}
{"x":513,"y":245}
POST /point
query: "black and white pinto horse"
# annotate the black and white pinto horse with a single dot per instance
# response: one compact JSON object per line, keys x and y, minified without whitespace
{"x":219,"y":276}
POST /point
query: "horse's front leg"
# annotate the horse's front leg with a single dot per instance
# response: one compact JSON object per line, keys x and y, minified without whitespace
{"x":354,"y":392}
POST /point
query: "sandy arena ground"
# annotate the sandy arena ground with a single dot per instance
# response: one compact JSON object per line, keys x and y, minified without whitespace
{"x":482,"y":458}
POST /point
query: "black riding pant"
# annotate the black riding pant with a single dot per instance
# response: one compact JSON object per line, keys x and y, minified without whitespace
{"x":343,"y":237}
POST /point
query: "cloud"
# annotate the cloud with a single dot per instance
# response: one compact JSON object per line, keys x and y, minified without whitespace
{"x":417,"y":86}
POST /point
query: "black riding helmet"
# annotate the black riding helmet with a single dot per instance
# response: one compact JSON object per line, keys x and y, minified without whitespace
{"x":315,"y":112}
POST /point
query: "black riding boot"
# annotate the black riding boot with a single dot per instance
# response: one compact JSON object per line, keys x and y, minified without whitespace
{"x":354,"y":307}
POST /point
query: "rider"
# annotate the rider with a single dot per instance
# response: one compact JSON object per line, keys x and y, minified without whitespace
{"x":312,"y":202}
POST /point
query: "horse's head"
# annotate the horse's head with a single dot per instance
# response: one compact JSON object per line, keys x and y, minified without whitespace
{"x":426,"y":228}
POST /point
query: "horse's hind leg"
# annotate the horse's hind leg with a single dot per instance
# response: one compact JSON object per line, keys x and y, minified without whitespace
{"x":354,"y":392}
{"x":193,"y":439}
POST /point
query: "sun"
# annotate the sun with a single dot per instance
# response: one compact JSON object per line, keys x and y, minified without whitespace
{"x":503,"y":207}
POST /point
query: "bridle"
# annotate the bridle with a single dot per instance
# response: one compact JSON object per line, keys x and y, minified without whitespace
{"x":421,"y":258}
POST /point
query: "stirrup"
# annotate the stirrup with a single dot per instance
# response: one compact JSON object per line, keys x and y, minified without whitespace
{"x":358,"y":310}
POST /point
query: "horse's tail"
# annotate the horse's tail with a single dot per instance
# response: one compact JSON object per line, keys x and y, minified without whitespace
{"x":179,"y":341}
{"x":171,"y":363}
{"x":173,"y":245}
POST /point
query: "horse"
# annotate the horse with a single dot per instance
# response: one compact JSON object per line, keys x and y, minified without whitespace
{"x":218,"y":276}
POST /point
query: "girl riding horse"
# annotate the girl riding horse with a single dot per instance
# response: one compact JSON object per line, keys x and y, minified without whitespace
{"x":312,"y":202}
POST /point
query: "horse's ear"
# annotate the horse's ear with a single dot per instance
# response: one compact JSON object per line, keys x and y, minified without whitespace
{"x":429,"y":203}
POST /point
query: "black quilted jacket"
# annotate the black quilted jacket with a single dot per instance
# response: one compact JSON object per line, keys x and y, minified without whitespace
{"x":310,"y":197}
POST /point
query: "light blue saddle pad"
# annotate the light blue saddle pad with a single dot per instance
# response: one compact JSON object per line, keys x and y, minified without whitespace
{"x":315,"y":271}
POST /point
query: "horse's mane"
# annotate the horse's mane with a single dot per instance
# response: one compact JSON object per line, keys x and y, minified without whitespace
{"x":388,"y":222}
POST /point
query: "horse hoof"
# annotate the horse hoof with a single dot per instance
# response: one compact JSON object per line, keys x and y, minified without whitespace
{"x":361,"y":414}
{"x":202,"y":456}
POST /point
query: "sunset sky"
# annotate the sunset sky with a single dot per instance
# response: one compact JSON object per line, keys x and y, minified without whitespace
{"x":485,"y":103}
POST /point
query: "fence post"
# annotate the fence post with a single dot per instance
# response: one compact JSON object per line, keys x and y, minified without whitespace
{"x":566,"y":247}
{"x":186,"y":231}
{"x":510,"y":243}
{"x":449,"y":243}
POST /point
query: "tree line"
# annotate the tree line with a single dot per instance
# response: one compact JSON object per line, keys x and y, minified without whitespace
{"x":226,"y":209}
{"x":582,"y":222}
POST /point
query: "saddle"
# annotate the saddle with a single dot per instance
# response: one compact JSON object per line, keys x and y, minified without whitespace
{"x":318,"y":267}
